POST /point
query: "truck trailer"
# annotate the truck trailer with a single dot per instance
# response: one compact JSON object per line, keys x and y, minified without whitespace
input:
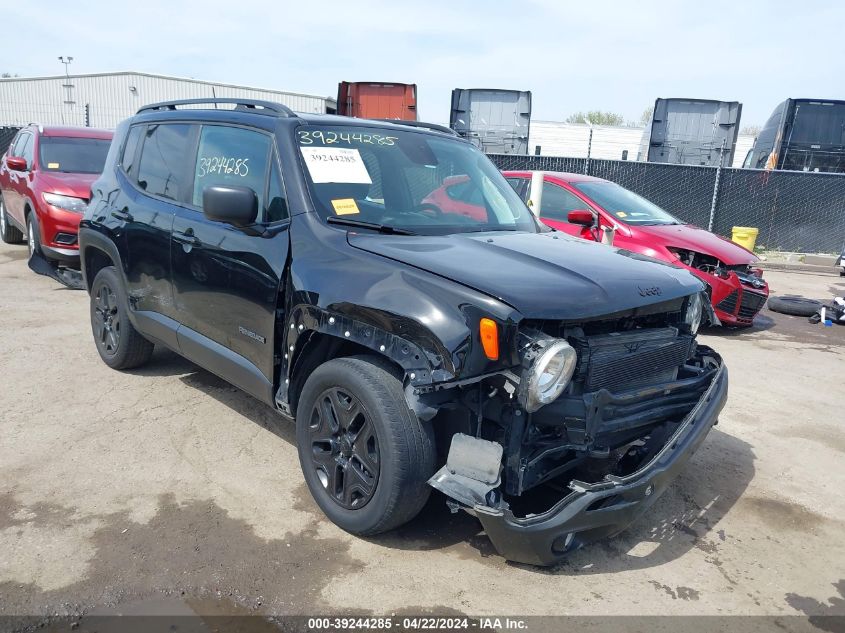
{"x":802,"y":135}
{"x":497,"y":121}
{"x":691,"y":132}
{"x":377,"y":100}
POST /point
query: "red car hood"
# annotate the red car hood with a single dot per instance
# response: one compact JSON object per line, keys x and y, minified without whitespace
{"x":693,"y":238}
{"x":76,"y":185}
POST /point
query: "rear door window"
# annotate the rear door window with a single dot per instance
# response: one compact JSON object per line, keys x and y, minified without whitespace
{"x":161,"y":171}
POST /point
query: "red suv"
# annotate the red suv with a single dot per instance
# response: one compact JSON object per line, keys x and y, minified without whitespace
{"x":45,"y":181}
{"x":585,"y":206}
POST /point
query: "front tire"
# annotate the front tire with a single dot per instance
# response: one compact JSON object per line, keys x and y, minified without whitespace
{"x":365,"y":456}
{"x":33,"y":235}
{"x":8,"y":233}
{"x":120,"y":345}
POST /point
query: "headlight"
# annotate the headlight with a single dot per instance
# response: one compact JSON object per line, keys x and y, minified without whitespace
{"x":692,"y":317}
{"x":68,"y":203}
{"x":549,"y":373}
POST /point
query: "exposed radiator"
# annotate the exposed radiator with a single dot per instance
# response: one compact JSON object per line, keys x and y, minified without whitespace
{"x":627,"y":360}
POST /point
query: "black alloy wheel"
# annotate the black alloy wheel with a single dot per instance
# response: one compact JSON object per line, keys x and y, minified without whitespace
{"x":119,"y":344}
{"x":366,"y":457}
{"x":106,"y":320}
{"x":344,"y":448}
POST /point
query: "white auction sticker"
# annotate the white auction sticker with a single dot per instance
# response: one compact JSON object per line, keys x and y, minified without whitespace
{"x":336,"y":164}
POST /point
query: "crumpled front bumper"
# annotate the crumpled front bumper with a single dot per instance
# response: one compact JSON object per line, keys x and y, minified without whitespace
{"x":736,"y":303}
{"x":605,"y":508}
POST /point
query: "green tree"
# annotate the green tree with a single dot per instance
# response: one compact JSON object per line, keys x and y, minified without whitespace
{"x":645,"y":117}
{"x":597,"y":117}
{"x":7,"y":75}
{"x":750,"y":130}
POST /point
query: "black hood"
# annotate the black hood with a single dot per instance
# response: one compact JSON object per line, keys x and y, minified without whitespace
{"x":543,"y":275}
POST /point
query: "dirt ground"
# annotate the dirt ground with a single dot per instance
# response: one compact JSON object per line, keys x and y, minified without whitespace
{"x":119,"y":490}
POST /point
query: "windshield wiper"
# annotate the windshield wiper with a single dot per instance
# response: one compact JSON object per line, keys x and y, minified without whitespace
{"x":381,"y":228}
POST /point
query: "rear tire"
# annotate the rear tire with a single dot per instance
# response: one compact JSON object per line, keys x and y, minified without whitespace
{"x":365,"y":456}
{"x":8,"y":233}
{"x":796,"y":306}
{"x":119,"y":344}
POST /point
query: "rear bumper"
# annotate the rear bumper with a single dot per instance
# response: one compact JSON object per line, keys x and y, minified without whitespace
{"x":595,"y":511}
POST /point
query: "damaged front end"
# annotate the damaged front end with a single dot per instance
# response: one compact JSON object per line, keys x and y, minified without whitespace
{"x":585,"y":435}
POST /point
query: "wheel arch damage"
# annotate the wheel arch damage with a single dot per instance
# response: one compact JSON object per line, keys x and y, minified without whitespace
{"x":312,"y":335}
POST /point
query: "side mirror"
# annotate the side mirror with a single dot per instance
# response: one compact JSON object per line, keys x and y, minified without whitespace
{"x":234,"y":205}
{"x":581,"y":217}
{"x":17,"y":163}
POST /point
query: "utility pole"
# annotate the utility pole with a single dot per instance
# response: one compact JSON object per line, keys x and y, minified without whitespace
{"x":69,"y":102}
{"x":716,"y":184}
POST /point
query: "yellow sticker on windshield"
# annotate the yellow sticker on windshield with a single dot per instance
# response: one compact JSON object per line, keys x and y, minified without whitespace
{"x":621,"y":214}
{"x":52,"y":165}
{"x":345,"y":206}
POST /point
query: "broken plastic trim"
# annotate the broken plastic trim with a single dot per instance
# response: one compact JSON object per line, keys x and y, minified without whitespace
{"x":68,"y":277}
{"x":472,"y":471}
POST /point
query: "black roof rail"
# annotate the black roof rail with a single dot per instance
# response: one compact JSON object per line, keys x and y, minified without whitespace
{"x":428,"y":126}
{"x":243,"y":105}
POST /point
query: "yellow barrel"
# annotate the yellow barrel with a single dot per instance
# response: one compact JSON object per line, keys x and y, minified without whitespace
{"x":745,"y":236}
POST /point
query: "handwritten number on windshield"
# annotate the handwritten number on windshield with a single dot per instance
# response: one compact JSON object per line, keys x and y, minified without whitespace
{"x":330,"y":137}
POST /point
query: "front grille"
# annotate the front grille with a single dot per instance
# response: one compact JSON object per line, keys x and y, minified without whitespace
{"x":750,"y":304}
{"x":728,"y":304}
{"x":627,"y":360}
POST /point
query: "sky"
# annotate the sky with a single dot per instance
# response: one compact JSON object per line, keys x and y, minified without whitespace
{"x":610,"y":55}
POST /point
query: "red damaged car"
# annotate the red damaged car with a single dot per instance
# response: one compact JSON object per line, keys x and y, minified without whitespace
{"x":45,"y":182}
{"x":585,"y":206}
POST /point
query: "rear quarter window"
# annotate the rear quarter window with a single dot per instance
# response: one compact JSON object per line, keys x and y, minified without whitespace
{"x":130,"y":150}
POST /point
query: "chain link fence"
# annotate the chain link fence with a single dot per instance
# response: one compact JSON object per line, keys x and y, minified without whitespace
{"x":793,"y":211}
{"x":7,"y":133}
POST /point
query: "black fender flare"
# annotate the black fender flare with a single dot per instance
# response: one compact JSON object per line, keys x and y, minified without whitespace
{"x":91,"y":238}
{"x":421,"y":367}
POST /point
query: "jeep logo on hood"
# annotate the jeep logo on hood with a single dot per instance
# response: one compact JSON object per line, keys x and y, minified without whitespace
{"x":649,"y":291}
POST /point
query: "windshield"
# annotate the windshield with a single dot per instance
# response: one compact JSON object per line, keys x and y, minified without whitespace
{"x":73,"y":155}
{"x":408,"y":180}
{"x":624,"y":205}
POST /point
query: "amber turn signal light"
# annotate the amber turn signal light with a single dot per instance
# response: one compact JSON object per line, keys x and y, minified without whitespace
{"x":490,"y":338}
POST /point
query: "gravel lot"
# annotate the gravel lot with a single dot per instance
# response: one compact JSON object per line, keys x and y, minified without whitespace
{"x":167,"y":486}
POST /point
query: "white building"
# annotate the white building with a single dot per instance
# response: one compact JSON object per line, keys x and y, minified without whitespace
{"x":609,"y":142}
{"x":105,"y":99}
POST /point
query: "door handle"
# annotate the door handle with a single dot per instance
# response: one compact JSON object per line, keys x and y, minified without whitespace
{"x":122,"y":214}
{"x":187,"y":237}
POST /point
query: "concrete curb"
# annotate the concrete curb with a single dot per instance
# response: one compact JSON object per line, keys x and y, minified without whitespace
{"x":796,"y":267}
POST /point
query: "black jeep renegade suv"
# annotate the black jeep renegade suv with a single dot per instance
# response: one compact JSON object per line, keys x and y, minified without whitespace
{"x":382,"y":284}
